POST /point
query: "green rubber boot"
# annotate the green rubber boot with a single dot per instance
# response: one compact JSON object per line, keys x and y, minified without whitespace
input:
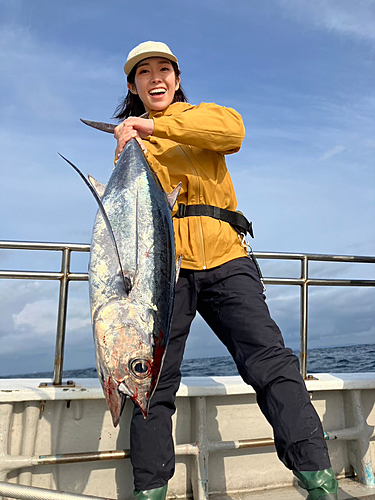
{"x":156,"y":494}
{"x":320,"y":484}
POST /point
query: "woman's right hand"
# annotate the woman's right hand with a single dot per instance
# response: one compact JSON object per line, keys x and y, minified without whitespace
{"x":133,"y":127}
{"x":123,"y":133}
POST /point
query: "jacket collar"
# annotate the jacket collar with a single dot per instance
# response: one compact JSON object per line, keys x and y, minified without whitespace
{"x":172,"y":109}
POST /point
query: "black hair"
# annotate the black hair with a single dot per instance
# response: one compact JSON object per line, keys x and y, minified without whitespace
{"x":131,"y":104}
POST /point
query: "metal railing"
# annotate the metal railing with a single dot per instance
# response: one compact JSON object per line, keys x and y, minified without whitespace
{"x":65,"y":276}
{"x":304,"y":282}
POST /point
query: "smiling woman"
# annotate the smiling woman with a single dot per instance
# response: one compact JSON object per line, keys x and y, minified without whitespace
{"x":155,"y":83}
{"x":132,"y":104}
{"x":186,"y":146}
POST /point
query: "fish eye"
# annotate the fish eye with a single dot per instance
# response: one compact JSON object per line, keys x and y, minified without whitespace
{"x":140,"y":368}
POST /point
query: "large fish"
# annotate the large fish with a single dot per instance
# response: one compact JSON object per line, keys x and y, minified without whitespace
{"x":132,"y":275}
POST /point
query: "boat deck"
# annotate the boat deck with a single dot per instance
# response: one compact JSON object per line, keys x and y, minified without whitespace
{"x":62,"y":438}
{"x":348,"y":489}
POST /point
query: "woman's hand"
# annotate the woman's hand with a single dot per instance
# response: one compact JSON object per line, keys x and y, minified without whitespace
{"x":144,"y":126}
{"x":132,"y":127}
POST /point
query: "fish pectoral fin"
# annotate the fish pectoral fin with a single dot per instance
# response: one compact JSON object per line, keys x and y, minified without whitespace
{"x":178,"y":267}
{"x":173,"y":195}
{"x":98,"y":186}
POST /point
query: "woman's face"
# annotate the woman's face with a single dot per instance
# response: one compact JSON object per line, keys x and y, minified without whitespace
{"x":155,"y":83}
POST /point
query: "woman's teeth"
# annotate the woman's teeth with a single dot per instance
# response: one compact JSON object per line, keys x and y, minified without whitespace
{"x":157,"y":91}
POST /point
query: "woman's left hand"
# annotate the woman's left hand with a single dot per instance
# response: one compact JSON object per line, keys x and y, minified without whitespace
{"x":130,"y":128}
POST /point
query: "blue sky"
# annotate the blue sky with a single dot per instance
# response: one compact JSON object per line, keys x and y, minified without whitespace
{"x":301,"y":74}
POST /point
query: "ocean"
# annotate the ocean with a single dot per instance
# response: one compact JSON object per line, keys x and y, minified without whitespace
{"x":348,"y":359}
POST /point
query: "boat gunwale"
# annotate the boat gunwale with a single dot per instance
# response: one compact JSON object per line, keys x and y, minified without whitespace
{"x":28,"y":389}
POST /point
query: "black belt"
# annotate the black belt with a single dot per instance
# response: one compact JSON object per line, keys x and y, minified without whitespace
{"x":236,"y":219}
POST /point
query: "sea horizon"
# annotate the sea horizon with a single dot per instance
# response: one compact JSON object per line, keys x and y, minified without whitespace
{"x":354,"y":358}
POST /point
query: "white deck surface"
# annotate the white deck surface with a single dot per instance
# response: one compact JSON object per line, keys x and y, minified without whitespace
{"x":348,"y":489}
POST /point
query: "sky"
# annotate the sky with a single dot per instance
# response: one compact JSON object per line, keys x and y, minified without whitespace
{"x":302,"y":76}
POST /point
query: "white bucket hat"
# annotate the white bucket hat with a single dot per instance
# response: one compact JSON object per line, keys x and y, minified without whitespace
{"x":148,"y":49}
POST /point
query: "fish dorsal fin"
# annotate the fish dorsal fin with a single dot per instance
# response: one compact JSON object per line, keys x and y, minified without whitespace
{"x":98,"y":186}
{"x":125,"y":277}
{"x":173,"y":195}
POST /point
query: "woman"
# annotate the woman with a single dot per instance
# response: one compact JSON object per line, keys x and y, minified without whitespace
{"x":188,"y":144}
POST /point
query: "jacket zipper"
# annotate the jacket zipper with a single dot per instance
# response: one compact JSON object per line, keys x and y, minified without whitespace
{"x":201,"y":239}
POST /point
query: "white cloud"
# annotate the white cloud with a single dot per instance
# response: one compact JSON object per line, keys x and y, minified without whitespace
{"x":332,"y":152}
{"x":40,"y":317}
{"x":358,"y":336}
{"x":28,"y":311}
{"x":355,"y":18}
{"x":40,"y":77}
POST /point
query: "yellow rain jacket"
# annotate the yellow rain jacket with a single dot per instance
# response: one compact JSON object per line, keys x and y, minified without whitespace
{"x":188,"y":146}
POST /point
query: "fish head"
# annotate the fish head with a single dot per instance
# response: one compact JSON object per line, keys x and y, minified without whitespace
{"x":128,"y":357}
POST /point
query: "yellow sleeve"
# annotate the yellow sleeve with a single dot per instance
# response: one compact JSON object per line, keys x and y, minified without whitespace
{"x":206,"y":126}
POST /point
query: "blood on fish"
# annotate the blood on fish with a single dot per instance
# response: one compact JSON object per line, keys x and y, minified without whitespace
{"x":110,"y":391}
{"x":158,"y":355}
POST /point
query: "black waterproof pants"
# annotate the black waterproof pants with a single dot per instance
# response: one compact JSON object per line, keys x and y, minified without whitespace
{"x":230,"y":299}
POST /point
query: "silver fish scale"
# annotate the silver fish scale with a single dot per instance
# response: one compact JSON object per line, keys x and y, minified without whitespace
{"x":128,"y":327}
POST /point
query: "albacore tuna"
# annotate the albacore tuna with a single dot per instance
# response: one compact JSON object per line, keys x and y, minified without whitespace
{"x":132,"y":275}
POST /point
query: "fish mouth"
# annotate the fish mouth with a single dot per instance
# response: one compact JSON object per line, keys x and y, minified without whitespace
{"x":141,"y":400}
{"x":115,"y":400}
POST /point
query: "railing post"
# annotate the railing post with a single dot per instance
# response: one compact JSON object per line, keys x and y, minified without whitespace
{"x":200,"y":469}
{"x":359,"y":449}
{"x":6,"y":411}
{"x":304,"y":315}
{"x":61,"y":318}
